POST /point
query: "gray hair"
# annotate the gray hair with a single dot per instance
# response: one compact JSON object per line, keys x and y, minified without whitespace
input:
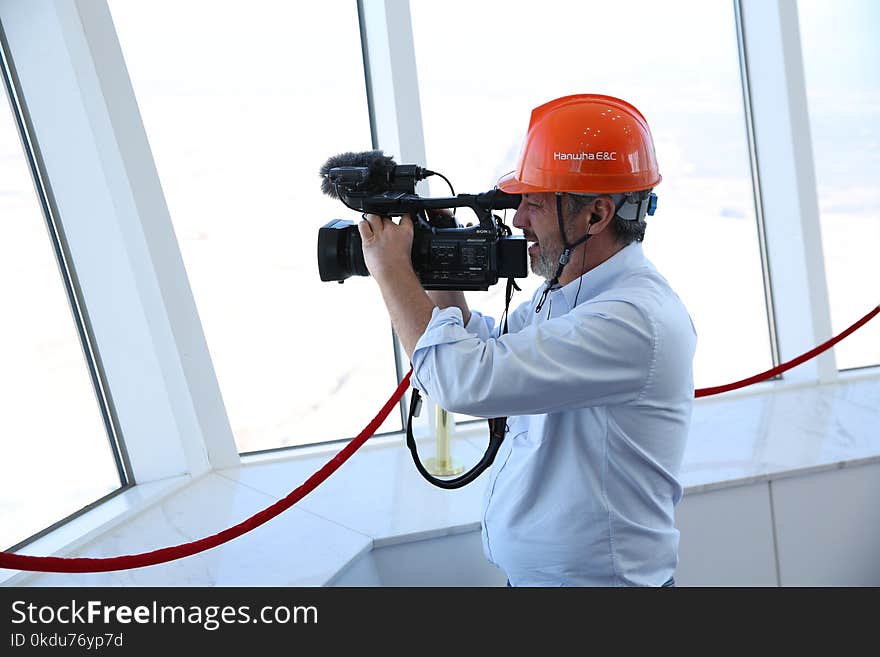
{"x":626,"y":231}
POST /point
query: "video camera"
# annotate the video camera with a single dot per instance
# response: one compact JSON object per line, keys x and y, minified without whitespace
{"x":444,"y":255}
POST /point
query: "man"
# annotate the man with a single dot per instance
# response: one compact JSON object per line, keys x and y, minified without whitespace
{"x":594,"y":373}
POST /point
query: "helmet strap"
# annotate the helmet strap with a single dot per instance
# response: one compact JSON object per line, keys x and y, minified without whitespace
{"x":568,"y":248}
{"x":564,"y":257}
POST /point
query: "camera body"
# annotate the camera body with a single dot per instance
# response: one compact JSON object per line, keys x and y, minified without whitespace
{"x":444,"y":256}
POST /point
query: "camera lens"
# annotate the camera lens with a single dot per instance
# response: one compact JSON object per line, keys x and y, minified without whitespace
{"x":340,"y":253}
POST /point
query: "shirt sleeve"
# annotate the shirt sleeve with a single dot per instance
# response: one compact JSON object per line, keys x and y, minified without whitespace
{"x":600,"y":353}
{"x":481,"y":325}
{"x":484,"y":326}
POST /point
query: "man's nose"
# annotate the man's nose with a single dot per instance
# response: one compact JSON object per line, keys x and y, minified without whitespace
{"x":519,"y":217}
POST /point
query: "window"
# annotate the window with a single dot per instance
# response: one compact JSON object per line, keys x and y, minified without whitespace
{"x":477,"y":96}
{"x":241,"y":109}
{"x":56,"y":458}
{"x":842,"y":74}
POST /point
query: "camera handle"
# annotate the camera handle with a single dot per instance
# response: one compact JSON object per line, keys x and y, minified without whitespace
{"x":482,"y":204}
{"x":497,"y":426}
{"x":394,"y":204}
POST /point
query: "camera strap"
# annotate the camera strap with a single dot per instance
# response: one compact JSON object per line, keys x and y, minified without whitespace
{"x":508,"y":295}
{"x":497,"y":426}
{"x":497,"y":429}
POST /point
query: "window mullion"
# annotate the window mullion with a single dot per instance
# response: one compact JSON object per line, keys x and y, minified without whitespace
{"x":114,"y":220}
{"x":771,"y":47}
{"x":393,"y":93}
{"x":204,"y":432}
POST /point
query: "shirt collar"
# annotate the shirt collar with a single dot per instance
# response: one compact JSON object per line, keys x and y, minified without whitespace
{"x":601,"y":277}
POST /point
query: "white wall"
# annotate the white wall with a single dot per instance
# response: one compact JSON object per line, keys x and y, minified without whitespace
{"x":818,"y":529}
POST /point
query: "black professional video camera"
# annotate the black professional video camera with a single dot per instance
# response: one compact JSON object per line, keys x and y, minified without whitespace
{"x":444,"y":256}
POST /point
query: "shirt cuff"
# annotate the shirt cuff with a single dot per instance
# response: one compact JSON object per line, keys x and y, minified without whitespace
{"x":480,"y":325}
{"x":446,"y":325}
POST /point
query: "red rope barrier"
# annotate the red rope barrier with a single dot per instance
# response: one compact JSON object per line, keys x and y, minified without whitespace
{"x":794,"y":362}
{"x":90,"y":565}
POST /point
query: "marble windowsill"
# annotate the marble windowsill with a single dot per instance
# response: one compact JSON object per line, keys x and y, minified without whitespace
{"x":377,"y":498}
{"x":782,"y":433}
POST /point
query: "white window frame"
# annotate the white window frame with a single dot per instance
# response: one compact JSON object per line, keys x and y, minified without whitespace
{"x":94,"y":155}
{"x":776,"y":100}
{"x":99,"y":174}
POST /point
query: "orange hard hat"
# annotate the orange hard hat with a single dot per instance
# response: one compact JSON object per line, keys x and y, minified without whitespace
{"x":586,"y":144}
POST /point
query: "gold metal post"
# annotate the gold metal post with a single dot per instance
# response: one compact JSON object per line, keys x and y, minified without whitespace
{"x":443,"y":465}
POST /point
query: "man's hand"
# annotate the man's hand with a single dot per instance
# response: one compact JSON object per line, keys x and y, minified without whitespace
{"x":387,"y":246}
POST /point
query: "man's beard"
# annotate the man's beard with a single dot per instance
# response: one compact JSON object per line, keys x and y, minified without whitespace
{"x":547,"y":261}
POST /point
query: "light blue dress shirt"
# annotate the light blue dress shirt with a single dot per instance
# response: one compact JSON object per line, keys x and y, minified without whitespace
{"x":598,"y":390}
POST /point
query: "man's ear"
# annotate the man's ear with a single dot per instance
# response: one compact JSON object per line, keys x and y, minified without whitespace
{"x":601,"y":214}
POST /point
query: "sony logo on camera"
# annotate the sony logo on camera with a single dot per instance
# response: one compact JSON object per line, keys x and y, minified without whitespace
{"x":598,"y":155}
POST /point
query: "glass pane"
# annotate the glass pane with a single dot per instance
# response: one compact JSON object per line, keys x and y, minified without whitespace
{"x":477,"y":97}
{"x":842,"y":71}
{"x":242,"y":105}
{"x":56,"y":457}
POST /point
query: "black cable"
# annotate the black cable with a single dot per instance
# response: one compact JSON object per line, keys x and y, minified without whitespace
{"x":451,"y":190}
{"x":581,"y":278}
{"x":593,"y":220}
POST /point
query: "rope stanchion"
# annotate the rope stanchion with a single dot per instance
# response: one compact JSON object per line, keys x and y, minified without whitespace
{"x":794,"y":362}
{"x":93,"y":565}
{"x":89,"y":565}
